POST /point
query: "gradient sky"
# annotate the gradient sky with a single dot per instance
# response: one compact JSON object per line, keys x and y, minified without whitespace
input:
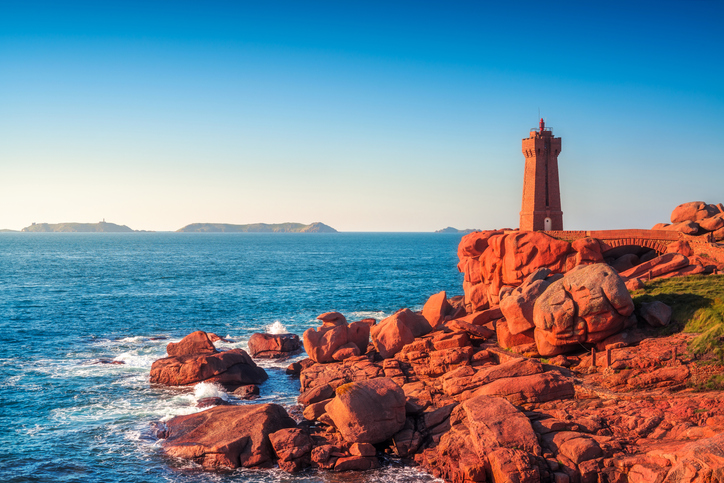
{"x":367,"y":116}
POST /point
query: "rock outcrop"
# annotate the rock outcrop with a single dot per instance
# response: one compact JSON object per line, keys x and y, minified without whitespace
{"x":196,"y":360}
{"x":226,"y":436}
{"x":274,"y":346}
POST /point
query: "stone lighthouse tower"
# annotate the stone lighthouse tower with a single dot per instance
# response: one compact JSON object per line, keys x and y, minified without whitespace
{"x":541,"y":193}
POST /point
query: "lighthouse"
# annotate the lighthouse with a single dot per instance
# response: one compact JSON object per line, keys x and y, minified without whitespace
{"x":541,"y":192}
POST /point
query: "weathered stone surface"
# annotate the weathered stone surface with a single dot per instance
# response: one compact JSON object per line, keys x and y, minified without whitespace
{"x":348,"y":350}
{"x":249,"y":391}
{"x":656,"y":313}
{"x":657,"y":267}
{"x":226,"y":436}
{"x":506,"y":340}
{"x":713,"y":223}
{"x":513,"y":466}
{"x":625,"y":262}
{"x":322,"y":343}
{"x":229,"y":368}
{"x":368,"y":411}
{"x":681,"y":246}
{"x":293,"y":447}
{"x":693,"y":211}
{"x":274,"y":346}
{"x":211,"y":401}
{"x":316,"y":394}
{"x":435,"y":309}
{"x":195,"y":343}
{"x":398,"y":330}
{"x":493,"y":422}
{"x":685,"y":227}
{"x":517,"y":306}
{"x":587,"y":305}
{"x":476,"y":331}
{"x":332,"y":319}
{"x":535,"y":388}
{"x":358,"y":333}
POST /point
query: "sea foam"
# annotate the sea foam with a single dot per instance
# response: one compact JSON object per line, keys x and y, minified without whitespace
{"x":276,"y":328}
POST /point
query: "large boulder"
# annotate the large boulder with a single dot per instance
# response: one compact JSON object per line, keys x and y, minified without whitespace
{"x":226,"y":436}
{"x":369,"y":411}
{"x":195,"y":343}
{"x":274,"y":346}
{"x":693,"y":211}
{"x":398,"y":330}
{"x":231,"y":368}
{"x":587,"y":305}
{"x":435,"y":309}
{"x":322,"y":343}
{"x":517,"y":306}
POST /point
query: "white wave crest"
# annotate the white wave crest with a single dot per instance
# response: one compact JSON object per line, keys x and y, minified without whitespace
{"x":276,"y":328}
{"x":137,"y":360}
{"x":209,"y":389}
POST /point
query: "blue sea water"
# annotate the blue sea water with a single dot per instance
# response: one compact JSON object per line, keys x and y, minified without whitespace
{"x":69,"y":301}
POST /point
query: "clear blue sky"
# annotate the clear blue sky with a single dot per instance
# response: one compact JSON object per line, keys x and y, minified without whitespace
{"x":367,"y":116}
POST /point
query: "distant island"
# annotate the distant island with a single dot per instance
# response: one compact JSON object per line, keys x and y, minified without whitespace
{"x":5,"y":230}
{"x":257,"y":228}
{"x":100,"y":227}
{"x":450,"y":229}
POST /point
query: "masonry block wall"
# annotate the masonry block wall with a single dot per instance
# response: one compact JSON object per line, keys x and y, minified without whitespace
{"x":541,"y":191}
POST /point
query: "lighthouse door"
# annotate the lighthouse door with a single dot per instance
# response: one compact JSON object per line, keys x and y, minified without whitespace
{"x":547,"y":224}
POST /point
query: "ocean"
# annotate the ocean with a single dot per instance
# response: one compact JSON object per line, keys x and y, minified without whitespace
{"x":70,"y":303}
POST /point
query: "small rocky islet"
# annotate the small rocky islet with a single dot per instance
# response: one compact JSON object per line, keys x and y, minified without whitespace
{"x":544,"y":371}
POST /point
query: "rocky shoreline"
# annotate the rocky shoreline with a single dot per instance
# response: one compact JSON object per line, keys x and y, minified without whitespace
{"x":544,"y":371}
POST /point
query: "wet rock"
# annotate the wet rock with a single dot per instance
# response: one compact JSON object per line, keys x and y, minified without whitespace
{"x":356,"y":463}
{"x":227,"y":436}
{"x":249,"y":391}
{"x":296,"y":368}
{"x":368,"y":411}
{"x":230,"y":368}
{"x":211,"y":401}
{"x":274,"y":346}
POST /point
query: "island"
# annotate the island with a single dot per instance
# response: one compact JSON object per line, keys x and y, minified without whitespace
{"x":450,"y":229}
{"x":100,"y":227}
{"x":316,"y":227}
